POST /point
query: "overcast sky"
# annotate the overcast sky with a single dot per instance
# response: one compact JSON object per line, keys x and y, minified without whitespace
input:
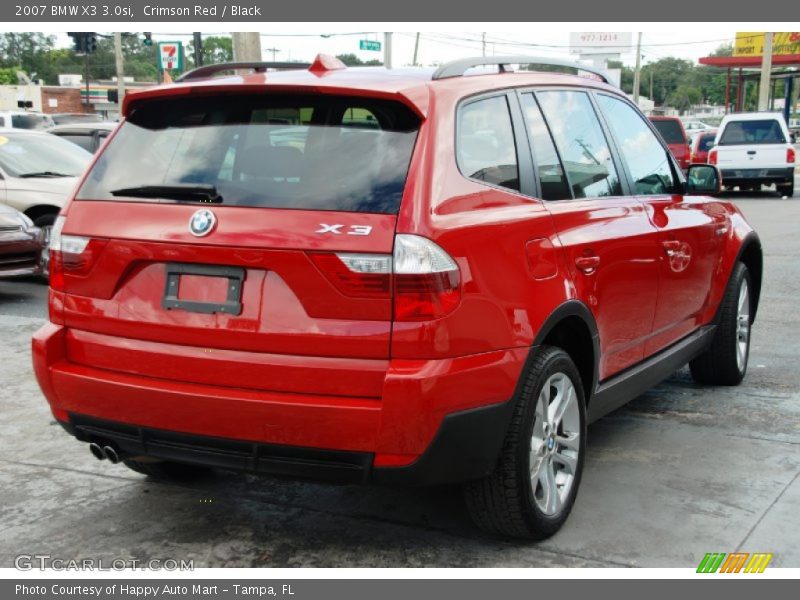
{"x":303,"y":42}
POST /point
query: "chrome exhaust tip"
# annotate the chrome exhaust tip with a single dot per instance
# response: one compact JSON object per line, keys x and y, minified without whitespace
{"x":111,"y":454}
{"x":97,"y":451}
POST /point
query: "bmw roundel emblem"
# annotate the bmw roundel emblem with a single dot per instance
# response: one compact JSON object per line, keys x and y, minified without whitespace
{"x":202,"y":222}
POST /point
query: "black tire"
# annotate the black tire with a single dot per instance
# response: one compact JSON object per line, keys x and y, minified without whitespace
{"x":786,"y":190}
{"x":503,"y":503}
{"x":165,"y":470}
{"x":719,"y":364}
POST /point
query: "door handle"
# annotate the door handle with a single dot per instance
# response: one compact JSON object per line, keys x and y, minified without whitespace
{"x":751,"y":152}
{"x":671,"y":246}
{"x":587,"y":264}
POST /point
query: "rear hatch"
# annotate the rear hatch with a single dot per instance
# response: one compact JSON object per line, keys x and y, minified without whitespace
{"x":215,"y":233}
{"x":752,"y":145}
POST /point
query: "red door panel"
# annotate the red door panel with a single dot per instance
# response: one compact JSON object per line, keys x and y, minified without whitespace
{"x":610,"y":250}
{"x":691,"y":231}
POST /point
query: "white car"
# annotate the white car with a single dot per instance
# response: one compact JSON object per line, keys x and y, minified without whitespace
{"x":20,"y":119}
{"x":754,"y":149}
{"x":38,"y":172}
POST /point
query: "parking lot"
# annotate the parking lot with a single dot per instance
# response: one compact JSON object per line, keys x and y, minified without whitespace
{"x":681,"y":471}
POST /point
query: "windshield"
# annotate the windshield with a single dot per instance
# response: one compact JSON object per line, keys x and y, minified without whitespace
{"x":707,"y":141}
{"x":30,"y":154}
{"x":766,"y":131}
{"x":277,"y":151}
{"x":31,"y":121}
{"x":671,"y":131}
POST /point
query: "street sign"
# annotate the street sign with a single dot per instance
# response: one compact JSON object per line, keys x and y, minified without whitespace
{"x":369,"y":45}
{"x":170,"y":56}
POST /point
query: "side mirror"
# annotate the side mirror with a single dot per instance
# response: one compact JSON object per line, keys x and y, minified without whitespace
{"x":703,"y":179}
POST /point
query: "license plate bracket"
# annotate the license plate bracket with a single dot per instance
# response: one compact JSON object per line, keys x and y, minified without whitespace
{"x":233,"y":302}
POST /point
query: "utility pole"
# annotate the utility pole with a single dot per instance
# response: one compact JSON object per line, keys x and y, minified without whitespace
{"x":387,"y":50}
{"x":637,"y":72}
{"x":246,"y":46}
{"x":416,"y":50}
{"x":274,"y":52}
{"x":766,"y":71}
{"x":120,"y":63}
{"x":651,"y":84}
{"x":198,"y":49}
{"x":483,"y":44}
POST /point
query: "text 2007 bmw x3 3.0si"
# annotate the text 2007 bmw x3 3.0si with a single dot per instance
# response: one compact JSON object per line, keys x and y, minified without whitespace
{"x":405,"y":277}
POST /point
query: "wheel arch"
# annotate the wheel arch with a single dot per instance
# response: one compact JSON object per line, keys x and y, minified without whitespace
{"x":572,"y":328}
{"x":751,"y":255}
{"x":38,"y":210}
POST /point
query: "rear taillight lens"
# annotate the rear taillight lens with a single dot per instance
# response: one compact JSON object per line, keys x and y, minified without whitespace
{"x":357,"y":275}
{"x":712,"y":156}
{"x":71,"y":254}
{"x":424,"y":278}
{"x":790,"y":155}
{"x":427,"y":284}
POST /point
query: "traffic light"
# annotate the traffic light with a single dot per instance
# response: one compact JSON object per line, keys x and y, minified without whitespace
{"x":84,"y":42}
{"x":148,"y":38}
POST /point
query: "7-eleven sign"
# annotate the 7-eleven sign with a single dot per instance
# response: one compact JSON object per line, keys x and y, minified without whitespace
{"x":170,"y":56}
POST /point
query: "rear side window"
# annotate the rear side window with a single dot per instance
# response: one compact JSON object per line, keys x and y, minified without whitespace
{"x":707,"y":141}
{"x":276,"y":151}
{"x":581,"y":143}
{"x":766,"y":131}
{"x":671,"y":131}
{"x":84,"y":141}
{"x":31,"y":121}
{"x":551,"y":174}
{"x":485,"y":143}
{"x":647,"y":160}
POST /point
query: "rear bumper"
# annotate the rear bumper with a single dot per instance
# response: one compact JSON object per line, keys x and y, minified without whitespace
{"x":757,"y":176}
{"x":436,"y":421}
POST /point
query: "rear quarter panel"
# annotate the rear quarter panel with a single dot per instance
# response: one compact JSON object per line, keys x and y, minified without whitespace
{"x":504,"y":243}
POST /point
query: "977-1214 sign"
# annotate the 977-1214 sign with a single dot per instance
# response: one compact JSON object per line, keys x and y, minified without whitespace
{"x":369,"y":45}
{"x":170,"y":56}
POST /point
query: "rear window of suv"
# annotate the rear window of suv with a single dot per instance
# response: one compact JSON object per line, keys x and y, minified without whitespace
{"x":270,"y":151}
{"x":764,"y":131}
{"x":671,"y":131}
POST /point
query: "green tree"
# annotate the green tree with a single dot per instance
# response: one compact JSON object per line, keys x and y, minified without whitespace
{"x":8,"y":76}
{"x":351,"y":60}
{"x":216,"y":49}
{"x":684,"y":97}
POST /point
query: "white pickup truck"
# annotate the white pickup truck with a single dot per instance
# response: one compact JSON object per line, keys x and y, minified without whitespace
{"x":754,"y":149}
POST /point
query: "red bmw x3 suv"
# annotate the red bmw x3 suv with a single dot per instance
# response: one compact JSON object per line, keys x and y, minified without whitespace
{"x":396,"y":276}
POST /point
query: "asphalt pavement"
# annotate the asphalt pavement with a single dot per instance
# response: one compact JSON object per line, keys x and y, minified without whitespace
{"x":681,"y":471}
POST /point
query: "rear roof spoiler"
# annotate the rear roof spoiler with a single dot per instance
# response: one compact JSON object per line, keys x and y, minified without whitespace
{"x":207,"y":71}
{"x":457,"y":68}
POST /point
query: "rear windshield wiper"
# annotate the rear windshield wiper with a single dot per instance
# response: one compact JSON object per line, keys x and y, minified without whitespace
{"x":45,"y":174}
{"x":182,"y":193}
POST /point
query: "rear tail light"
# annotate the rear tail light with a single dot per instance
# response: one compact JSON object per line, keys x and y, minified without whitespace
{"x":71,"y":254}
{"x":712,"y":156}
{"x":424,"y":278}
{"x":790,"y":155}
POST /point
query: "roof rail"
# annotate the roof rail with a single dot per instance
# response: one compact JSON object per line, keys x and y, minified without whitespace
{"x":457,"y":68}
{"x":257,"y":66}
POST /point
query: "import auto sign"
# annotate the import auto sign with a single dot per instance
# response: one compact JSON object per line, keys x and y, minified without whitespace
{"x":170,"y":56}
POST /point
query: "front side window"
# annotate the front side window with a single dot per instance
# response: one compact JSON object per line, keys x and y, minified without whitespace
{"x":485,"y":143}
{"x":581,"y":143}
{"x":647,"y":161}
